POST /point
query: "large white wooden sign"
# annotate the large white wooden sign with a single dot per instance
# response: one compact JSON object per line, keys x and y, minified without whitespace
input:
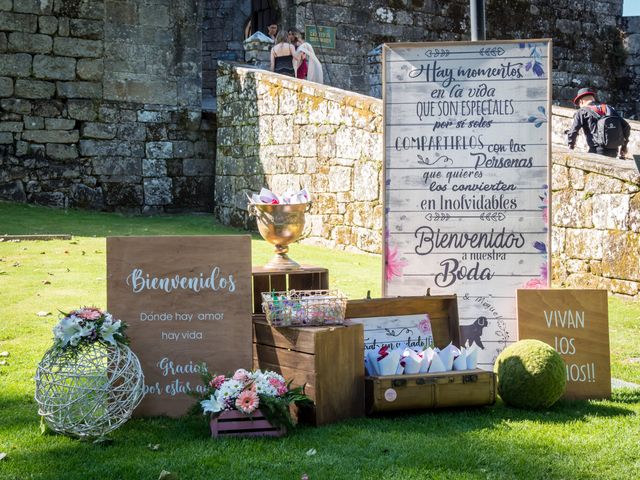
{"x":467,"y":174}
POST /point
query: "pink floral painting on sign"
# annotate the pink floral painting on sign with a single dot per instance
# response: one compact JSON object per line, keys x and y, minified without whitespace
{"x":394,"y":264}
{"x":425,"y":325}
{"x":539,"y":282}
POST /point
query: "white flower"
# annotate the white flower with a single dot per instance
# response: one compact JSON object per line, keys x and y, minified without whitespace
{"x":212,"y":405}
{"x":69,"y":330}
{"x":108,"y":329}
{"x":85,"y":331}
{"x":263,"y":387}
{"x":229,"y":390}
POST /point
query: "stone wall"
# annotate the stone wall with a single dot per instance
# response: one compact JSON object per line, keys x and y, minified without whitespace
{"x":362,"y":25}
{"x":286,"y":134}
{"x":588,"y":48}
{"x":100,"y":105}
{"x":596,"y":223}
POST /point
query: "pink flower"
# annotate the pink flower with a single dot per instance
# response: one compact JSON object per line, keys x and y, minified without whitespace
{"x":275,"y":382}
{"x":247,"y":401}
{"x":393,"y":263}
{"x":217,"y":381}
{"x":242,"y":375}
{"x":89,"y":313}
{"x":282,"y":390}
{"x":425,"y":324}
{"x":539,"y":282}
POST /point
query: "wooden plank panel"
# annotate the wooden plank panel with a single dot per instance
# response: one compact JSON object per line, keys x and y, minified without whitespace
{"x":443,"y":315}
{"x":324,"y":280}
{"x":278,"y":282}
{"x":299,"y":339}
{"x":339,"y":374}
{"x":302,"y":281}
{"x":467,"y":174}
{"x":576,"y":324}
{"x":258,"y":270}
{"x":181,"y":296}
{"x":284,"y":357}
{"x":297,"y":377}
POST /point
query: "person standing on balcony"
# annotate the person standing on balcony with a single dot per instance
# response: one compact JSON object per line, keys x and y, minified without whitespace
{"x":309,"y":67}
{"x":605,"y":130}
{"x":272,"y":31}
{"x":283,"y":54}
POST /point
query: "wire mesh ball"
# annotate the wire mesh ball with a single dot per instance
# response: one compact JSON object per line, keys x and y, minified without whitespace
{"x":90,"y":391}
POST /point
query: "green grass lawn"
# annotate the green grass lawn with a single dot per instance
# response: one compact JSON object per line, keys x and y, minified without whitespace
{"x":588,"y":439}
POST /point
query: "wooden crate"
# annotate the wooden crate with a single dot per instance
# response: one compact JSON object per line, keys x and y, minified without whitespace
{"x":329,"y":360}
{"x":306,"y":278}
{"x":428,"y":390}
{"x":232,"y":423}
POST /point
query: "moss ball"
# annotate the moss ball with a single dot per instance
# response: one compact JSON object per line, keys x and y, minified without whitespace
{"x":531,"y":374}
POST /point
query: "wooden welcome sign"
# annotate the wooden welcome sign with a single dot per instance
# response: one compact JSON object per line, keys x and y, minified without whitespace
{"x":576,"y":324}
{"x":187,"y":301}
{"x":467,"y":174}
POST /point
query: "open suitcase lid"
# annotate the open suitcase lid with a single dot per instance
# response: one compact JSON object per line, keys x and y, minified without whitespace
{"x":442,"y":310}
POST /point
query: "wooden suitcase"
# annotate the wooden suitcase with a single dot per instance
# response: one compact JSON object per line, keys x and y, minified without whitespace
{"x":429,"y":390}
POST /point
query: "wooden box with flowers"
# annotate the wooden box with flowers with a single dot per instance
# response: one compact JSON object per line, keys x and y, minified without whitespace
{"x":247,"y":403}
{"x":326,"y":360}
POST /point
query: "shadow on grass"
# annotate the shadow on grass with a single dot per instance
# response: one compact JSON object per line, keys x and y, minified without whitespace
{"x":626,"y":395}
{"x":561,"y":412}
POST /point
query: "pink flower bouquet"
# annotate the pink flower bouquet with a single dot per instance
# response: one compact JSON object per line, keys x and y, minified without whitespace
{"x":246,"y":392}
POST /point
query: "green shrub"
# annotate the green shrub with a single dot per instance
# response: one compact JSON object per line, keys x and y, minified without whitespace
{"x":531,"y":374}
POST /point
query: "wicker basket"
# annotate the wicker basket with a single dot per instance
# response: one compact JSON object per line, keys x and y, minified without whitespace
{"x":304,"y":308}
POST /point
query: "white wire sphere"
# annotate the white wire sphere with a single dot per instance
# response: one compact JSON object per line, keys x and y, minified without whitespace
{"x":88,"y":392}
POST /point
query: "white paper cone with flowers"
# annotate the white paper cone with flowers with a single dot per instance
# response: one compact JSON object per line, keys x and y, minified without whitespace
{"x":247,"y":392}
{"x":408,"y":361}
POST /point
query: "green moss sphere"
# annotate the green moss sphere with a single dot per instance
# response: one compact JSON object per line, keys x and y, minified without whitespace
{"x":531,"y":374}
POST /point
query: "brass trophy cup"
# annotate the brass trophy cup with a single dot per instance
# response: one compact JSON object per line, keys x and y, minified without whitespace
{"x":280,"y":225}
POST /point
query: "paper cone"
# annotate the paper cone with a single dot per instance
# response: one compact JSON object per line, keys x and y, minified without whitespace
{"x":472,"y":358}
{"x":427,"y":355}
{"x":460,"y":363}
{"x":372,"y":362}
{"x":389,"y":365}
{"x":436,"y":365}
{"x":412,"y":363}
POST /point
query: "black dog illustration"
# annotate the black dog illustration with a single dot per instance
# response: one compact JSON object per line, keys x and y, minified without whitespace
{"x":472,"y":333}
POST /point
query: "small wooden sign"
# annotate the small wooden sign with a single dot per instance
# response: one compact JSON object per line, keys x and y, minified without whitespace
{"x":187,"y":301}
{"x":576,"y":324}
{"x":320,"y":36}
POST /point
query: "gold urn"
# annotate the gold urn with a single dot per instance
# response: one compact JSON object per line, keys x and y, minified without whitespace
{"x":280,"y":225}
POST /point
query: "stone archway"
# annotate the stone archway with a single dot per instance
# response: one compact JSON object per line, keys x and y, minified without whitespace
{"x":222,"y":35}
